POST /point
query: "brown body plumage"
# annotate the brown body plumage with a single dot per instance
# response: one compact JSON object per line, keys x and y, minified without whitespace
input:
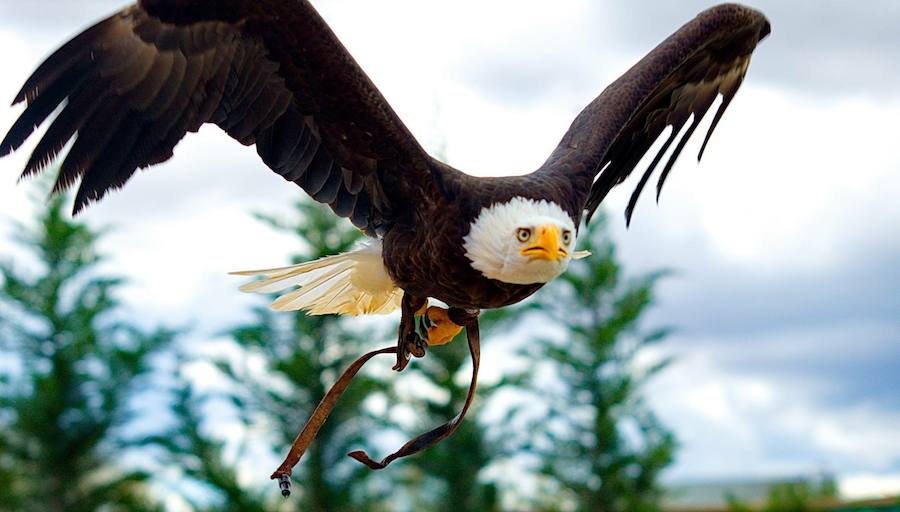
{"x":271,"y":73}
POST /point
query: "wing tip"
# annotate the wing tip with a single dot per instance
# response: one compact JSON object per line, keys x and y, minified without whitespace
{"x":739,"y":17}
{"x":765,"y":30}
{"x":26,"y":94}
{"x":79,"y":206}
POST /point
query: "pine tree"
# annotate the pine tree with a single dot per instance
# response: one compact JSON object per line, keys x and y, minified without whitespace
{"x":795,"y":496}
{"x":201,"y":458}
{"x":599,"y":444}
{"x":77,"y":361}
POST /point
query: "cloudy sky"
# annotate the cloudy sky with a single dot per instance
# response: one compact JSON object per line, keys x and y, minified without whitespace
{"x":786,"y":239}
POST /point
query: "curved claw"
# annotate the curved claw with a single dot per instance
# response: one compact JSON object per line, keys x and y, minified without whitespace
{"x":415,"y":345}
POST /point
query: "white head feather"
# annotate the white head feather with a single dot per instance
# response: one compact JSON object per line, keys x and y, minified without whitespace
{"x":494,"y":249}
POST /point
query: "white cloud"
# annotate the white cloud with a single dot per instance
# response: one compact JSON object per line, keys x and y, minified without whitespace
{"x":866,"y":485}
{"x":736,"y":422}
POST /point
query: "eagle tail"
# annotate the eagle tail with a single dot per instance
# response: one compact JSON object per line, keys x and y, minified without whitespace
{"x":353,"y":283}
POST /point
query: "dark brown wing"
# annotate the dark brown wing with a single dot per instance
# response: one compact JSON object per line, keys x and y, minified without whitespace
{"x":676,"y":82}
{"x":268,"y":72}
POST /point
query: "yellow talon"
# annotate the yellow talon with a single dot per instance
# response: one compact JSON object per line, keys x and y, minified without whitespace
{"x":442,"y":330}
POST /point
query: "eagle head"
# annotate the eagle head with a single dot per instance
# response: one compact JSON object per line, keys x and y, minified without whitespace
{"x":521,"y":241}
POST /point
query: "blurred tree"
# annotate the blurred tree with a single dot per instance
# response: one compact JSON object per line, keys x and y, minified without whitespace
{"x":74,"y":361}
{"x":798,"y":496}
{"x":201,"y":459}
{"x":598,"y":443}
{"x":302,"y":355}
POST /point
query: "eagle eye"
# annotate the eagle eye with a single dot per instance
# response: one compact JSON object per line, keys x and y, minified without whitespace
{"x":523,"y":234}
{"x":567,"y":237}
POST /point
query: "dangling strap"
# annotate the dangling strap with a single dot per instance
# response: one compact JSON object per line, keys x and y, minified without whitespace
{"x":435,"y":436}
{"x":315,"y":422}
{"x":323,"y":410}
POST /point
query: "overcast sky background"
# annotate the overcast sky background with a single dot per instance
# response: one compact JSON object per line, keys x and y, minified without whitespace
{"x":786,"y":239}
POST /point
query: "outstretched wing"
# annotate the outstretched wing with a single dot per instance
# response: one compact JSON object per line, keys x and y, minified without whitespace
{"x":268,"y":72}
{"x":676,"y":82}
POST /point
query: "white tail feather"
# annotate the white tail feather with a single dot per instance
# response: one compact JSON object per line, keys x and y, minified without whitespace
{"x":352,"y":283}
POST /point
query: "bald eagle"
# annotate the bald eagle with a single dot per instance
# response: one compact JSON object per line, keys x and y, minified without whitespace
{"x":271,"y":73}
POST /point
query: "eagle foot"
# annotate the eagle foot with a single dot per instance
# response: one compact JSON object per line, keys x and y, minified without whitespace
{"x":409,"y":342}
{"x":438,"y":326}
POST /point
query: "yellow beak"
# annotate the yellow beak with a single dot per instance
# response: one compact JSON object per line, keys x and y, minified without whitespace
{"x":545,"y":245}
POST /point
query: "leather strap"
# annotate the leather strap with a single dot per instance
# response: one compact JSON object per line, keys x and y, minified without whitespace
{"x":438,"y":434}
{"x":315,"y":422}
{"x":417,"y":444}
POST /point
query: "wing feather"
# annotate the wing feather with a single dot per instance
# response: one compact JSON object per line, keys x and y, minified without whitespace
{"x":729,"y":89}
{"x":345,"y":203}
{"x":267,"y":72}
{"x":676,"y":83}
{"x":632,"y":202}
{"x":329,"y":190}
{"x":675,"y":154}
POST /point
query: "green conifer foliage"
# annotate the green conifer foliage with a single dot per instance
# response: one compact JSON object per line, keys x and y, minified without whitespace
{"x":74,"y":362}
{"x":201,"y":458}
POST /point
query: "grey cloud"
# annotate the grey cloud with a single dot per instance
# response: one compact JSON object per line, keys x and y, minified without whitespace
{"x":822,"y":48}
{"x":54,"y":17}
{"x":538,"y":64}
{"x":818,"y":47}
{"x":835,"y":331}
{"x":706,"y":300}
{"x":834,"y":365}
{"x":526,"y":78}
